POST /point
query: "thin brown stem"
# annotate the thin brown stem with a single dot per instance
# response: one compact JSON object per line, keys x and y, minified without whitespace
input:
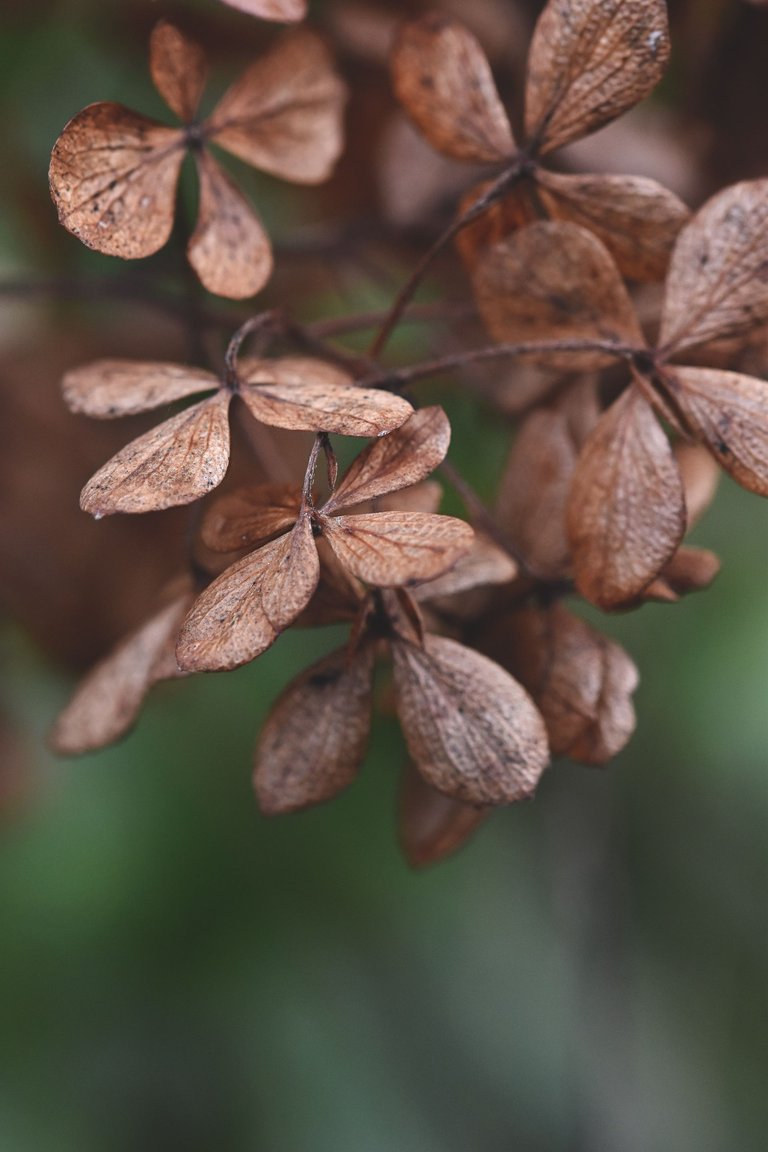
{"x":499,"y":188}
{"x":401,"y":377}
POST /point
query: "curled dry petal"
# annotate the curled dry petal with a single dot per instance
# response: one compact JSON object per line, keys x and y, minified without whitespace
{"x":728,"y":412}
{"x":249,"y":517}
{"x":229,"y":249}
{"x":431,"y":825}
{"x":246,"y":608}
{"x":106,"y":388}
{"x":314,"y":739}
{"x":581,"y":681}
{"x":626,"y":512}
{"x":637,"y":219}
{"x":554,"y":281}
{"x":405,"y":457}
{"x":589,"y":61}
{"x":178,"y":462}
{"x":179,"y":69}
{"x":302,"y":393}
{"x":284,"y":114}
{"x":113,"y":179}
{"x":473,"y":731}
{"x":108,"y":700}
{"x":443,"y":80}
{"x":285,"y":11}
{"x":395,"y":548}
{"x":718,"y":277}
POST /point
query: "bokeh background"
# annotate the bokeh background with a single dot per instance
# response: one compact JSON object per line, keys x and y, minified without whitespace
{"x":177,"y":972}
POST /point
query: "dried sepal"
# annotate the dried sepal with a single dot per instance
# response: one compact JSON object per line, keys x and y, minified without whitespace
{"x":485,"y":563}
{"x":283,"y":11}
{"x":113,"y":177}
{"x":728,"y":412}
{"x":534,"y":491}
{"x":431,"y":825}
{"x":244,"y":610}
{"x":283,"y":115}
{"x":314,"y":739}
{"x":303,"y":393}
{"x":472,"y":731}
{"x":107,"y":702}
{"x":395,"y":548}
{"x":249,"y":517}
{"x":689,"y":570}
{"x":229,"y":249}
{"x":626,"y":511}
{"x":589,"y":61}
{"x":339,"y":597}
{"x":179,"y":69}
{"x":178,"y":462}
{"x":700,"y":475}
{"x":422,"y":497}
{"x":553,"y":281}
{"x":581,"y":681}
{"x":637,"y":219}
{"x":443,"y":80}
{"x":716,"y":286}
{"x":404,"y":457}
{"x":107,"y":388}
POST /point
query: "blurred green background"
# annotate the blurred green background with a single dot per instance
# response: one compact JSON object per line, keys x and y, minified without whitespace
{"x":177,"y":972}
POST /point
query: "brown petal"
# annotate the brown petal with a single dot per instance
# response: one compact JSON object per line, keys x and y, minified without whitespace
{"x":108,"y":701}
{"x":249,"y":517}
{"x":113,"y":178}
{"x":626,"y":513}
{"x":229,"y":249}
{"x":580,"y":680}
{"x":552,"y":282}
{"x":107,"y":388}
{"x":284,"y":113}
{"x":534,"y":491}
{"x":175,"y":463}
{"x":396,"y":461}
{"x":513,"y":211}
{"x":689,"y":570}
{"x":301,"y":393}
{"x":422,"y":497}
{"x":179,"y":69}
{"x":729,"y":413}
{"x":485,"y":563}
{"x":716,"y":285}
{"x":443,"y":80}
{"x":339,"y":596}
{"x":391,"y":548}
{"x":700,"y":475}
{"x":431,"y":825}
{"x":589,"y":61}
{"x":637,"y":219}
{"x":244,"y":611}
{"x":286,"y":11}
{"x":472,"y":730}
{"x":314,"y":739}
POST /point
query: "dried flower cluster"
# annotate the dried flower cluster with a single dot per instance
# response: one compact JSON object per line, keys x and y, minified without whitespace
{"x":614,"y":453}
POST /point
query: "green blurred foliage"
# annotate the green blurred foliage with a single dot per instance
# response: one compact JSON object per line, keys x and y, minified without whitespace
{"x":177,"y":972}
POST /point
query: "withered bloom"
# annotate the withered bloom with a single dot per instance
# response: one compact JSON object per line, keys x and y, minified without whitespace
{"x":113,"y":172}
{"x":588,"y":63}
{"x":187,"y":456}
